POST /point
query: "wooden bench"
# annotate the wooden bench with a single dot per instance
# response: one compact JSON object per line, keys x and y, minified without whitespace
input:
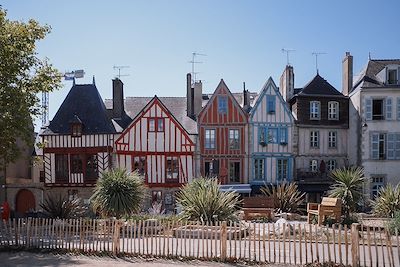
{"x":258,"y":207}
{"x":328,"y":207}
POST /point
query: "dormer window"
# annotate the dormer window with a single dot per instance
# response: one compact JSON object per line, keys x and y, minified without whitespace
{"x":392,"y":76}
{"x":76,"y":129}
{"x":315,"y":110}
{"x":333,"y":110}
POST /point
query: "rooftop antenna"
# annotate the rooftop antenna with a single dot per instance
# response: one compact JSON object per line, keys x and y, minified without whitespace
{"x":119,"y":68}
{"x":287,"y":51}
{"x":194,"y":62}
{"x":316,"y":54}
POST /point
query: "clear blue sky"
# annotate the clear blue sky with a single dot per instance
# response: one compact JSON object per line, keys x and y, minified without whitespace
{"x":242,"y":40}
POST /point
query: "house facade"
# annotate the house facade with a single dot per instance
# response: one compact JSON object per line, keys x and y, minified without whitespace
{"x":270,"y":138}
{"x":375,"y":121}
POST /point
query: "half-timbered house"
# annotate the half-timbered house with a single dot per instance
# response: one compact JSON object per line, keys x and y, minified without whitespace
{"x":270,"y":138}
{"x":223,"y":138}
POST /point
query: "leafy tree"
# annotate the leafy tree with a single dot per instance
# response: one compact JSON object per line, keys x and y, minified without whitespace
{"x":347,"y":185}
{"x":287,"y":196}
{"x":22,"y":76}
{"x":118,"y":193}
{"x":387,"y":203}
{"x":201,"y":200}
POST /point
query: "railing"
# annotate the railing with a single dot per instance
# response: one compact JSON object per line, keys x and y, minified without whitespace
{"x":298,"y":243}
{"x":307,"y":175}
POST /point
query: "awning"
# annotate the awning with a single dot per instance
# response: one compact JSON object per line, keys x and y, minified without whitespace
{"x":238,"y":188}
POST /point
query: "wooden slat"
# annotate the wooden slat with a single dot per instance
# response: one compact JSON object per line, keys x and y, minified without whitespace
{"x":346,"y":245}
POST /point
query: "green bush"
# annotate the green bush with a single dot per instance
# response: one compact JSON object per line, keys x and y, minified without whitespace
{"x":394,"y":224}
{"x":387,"y":202}
{"x":61,"y":207}
{"x":287,"y":196}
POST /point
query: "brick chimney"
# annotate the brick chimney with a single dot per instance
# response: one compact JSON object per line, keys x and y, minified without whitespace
{"x":246,"y":98}
{"x":286,"y":83}
{"x":189,"y":96}
{"x":118,"y":98}
{"x":197,"y":98}
{"x":347,"y":74}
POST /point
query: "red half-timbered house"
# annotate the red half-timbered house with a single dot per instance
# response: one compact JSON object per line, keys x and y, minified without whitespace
{"x":223,"y":137}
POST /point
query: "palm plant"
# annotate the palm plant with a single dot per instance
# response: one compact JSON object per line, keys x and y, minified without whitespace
{"x":387,"y":202}
{"x":203,"y":201}
{"x":287,"y":196}
{"x":118,"y":193}
{"x":61,"y":207}
{"x":347,"y":185}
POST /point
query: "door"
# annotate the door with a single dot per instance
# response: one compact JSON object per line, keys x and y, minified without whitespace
{"x":25,"y":201}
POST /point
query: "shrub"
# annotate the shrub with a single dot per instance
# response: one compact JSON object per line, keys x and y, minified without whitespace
{"x":118,"y":193}
{"x":394,"y":224}
{"x":202,"y":200}
{"x":61,"y":207}
{"x":287,"y":196}
{"x":387,"y":202}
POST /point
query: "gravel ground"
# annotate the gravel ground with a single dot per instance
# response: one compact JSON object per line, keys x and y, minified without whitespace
{"x":9,"y":259}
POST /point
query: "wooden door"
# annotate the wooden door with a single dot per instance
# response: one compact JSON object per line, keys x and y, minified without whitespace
{"x":25,"y":201}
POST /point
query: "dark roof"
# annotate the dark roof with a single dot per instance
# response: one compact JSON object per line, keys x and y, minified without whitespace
{"x":82,"y":104}
{"x":176,"y":105}
{"x":319,"y":86}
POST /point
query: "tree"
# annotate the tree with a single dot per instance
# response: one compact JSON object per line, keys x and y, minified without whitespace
{"x":287,"y":196}
{"x":22,"y":76}
{"x":387,"y":202}
{"x":201,"y":200}
{"x":118,"y":193}
{"x":347,"y":185}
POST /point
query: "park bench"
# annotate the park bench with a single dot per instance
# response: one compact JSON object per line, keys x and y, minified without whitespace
{"x":258,"y":207}
{"x":329,"y":207}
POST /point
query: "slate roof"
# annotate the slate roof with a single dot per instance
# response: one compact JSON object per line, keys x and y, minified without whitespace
{"x":237,"y":96}
{"x":319,"y":86}
{"x":176,"y":105}
{"x":83,"y":103}
{"x":367,"y":77}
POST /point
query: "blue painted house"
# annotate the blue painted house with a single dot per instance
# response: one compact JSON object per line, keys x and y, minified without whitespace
{"x":270,"y":138}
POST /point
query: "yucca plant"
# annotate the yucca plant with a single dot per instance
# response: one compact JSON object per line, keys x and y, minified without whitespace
{"x":287,"y":196}
{"x":347,"y":186}
{"x":201,"y":200}
{"x":61,"y":207}
{"x":387,"y":201}
{"x":118,"y":193}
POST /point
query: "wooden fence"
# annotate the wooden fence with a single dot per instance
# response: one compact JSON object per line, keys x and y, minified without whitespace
{"x":261,"y":242}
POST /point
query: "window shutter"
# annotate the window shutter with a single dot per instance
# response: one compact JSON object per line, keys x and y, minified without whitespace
{"x":391,"y":146}
{"x":368,"y":109}
{"x":215,"y":163}
{"x":398,"y":108}
{"x":388,"y":108}
{"x":375,"y":146}
{"x":397,"y":146}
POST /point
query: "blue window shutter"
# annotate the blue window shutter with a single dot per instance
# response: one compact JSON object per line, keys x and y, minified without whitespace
{"x":368,"y":109}
{"x":388,"y":108}
{"x":375,"y":146}
{"x":391,"y":142}
{"x":397,"y":146}
{"x":283,"y":135}
{"x":398,"y":108}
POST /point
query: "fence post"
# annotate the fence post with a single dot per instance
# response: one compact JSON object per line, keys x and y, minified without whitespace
{"x":355,"y":245}
{"x":116,"y":242}
{"x":224,"y":240}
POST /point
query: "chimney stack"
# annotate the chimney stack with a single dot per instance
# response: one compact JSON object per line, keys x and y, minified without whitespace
{"x":246,"y":98}
{"x":118,"y":98}
{"x":347,"y":74}
{"x":286,"y":83}
{"x":197,"y":98}
{"x":189,"y":96}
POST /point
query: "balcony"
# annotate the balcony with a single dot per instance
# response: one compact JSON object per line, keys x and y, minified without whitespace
{"x":307,"y":176}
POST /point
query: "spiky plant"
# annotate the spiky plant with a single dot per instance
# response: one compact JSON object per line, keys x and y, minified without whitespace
{"x":118,"y":193}
{"x":287,"y":196}
{"x":347,"y":185}
{"x":61,"y":207}
{"x":201,"y":200}
{"x":387,"y":201}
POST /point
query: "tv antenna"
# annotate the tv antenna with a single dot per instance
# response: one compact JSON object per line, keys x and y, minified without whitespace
{"x":316,"y":54}
{"x":119,"y":68}
{"x":287,"y":51}
{"x":194,"y":62}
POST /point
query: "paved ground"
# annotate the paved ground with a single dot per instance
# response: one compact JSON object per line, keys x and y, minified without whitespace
{"x":9,"y":259}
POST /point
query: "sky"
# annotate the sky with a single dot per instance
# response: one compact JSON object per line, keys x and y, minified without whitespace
{"x":242,"y":41}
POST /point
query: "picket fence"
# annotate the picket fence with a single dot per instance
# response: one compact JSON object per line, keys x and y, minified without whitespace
{"x":226,"y":241}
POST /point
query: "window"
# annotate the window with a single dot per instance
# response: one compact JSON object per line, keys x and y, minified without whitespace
{"x":314,"y":165}
{"x":315,"y":110}
{"x":92,"y":172}
{"x":233,"y":139}
{"x":172,"y":168}
{"x":331,"y":165}
{"x":392,"y":76}
{"x":283,"y":136}
{"x":377,"y":109}
{"x":76,"y":163}
{"x":378,"y":146}
{"x":272,"y":135}
{"x":211,"y":168}
{"x":314,"y":139}
{"x":76,"y":129}
{"x":385,"y":146}
{"x":61,"y":168}
{"x":377,"y":182}
{"x":156,"y":124}
{"x":259,"y":169}
{"x":234,"y":172}
{"x":271,"y":104}
{"x":332,"y":139}
{"x":333,"y":110}
{"x":139,"y":165}
{"x":222,"y":104}
{"x":283,"y":169}
{"x":156,"y":196}
{"x":72,"y":194}
{"x":209,"y":142}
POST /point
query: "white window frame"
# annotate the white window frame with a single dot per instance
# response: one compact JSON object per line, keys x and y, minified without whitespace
{"x":314,"y":165}
{"x":332,"y":139}
{"x":377,"y":182}
{"x":392,"y":82}
{"x":333,"y":110}
{"x":315,"y":110}
{"x":209,"y":139}
{"x":331,"y":164}
{"x":314,"y":139}
{"x":234,"y":139}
